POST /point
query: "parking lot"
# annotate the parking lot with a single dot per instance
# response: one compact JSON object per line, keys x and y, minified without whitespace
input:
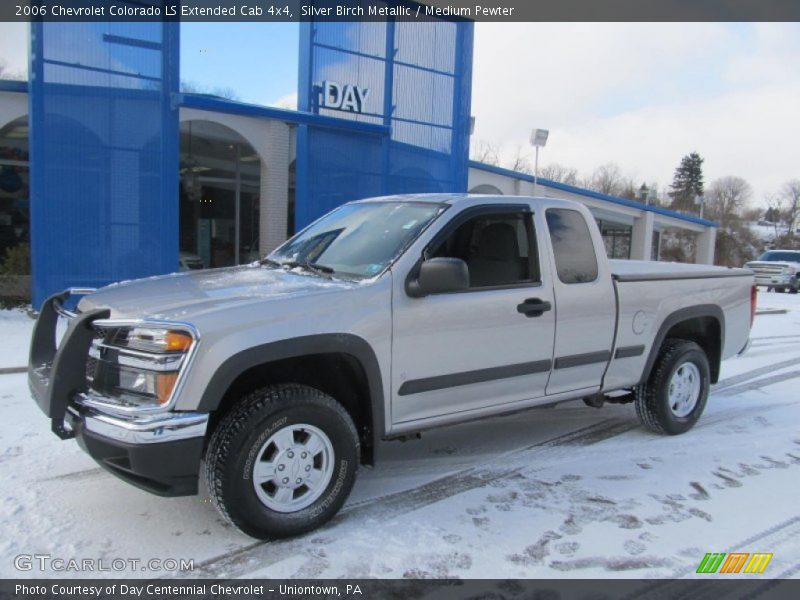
{"x":548,"y":493}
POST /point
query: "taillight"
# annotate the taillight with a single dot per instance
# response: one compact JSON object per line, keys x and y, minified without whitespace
{"x":753,"y":302}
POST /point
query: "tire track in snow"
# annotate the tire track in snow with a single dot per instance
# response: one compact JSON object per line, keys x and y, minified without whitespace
{"x":261,"y":554}
{"x":759,"y":383}
{"x":264,"y":554}
{"x":75,"y":475}
{"x":753,"y":373}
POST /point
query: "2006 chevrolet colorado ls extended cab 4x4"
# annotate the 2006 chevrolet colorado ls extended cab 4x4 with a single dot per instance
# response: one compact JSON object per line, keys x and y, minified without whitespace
{"x":383,"y":318}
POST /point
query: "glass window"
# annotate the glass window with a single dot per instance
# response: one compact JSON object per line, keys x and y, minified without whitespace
{"x":780,"y":255}
{"x":359,"y":239}
{"x":14,"y":198}
{"x":576,"y":261}
{"x":496,"y":247}
{"x":220,"y":185}
{"x":616,"y":238}
{"x":655,"y":250}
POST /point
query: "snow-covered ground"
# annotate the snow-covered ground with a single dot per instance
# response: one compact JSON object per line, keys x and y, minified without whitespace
{"x":15,"y":336}
{"x":549,"y":493}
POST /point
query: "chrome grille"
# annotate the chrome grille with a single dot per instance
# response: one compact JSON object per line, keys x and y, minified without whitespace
{"x":767,"y":269}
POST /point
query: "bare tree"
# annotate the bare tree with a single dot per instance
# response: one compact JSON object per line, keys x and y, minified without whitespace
{"x":9,"y":75}
{"x":607,"y":179}
{"x":560,"y":173}
{"x":790,"y":193}
{"x":727,"y":201}
{"x":521,"y":162}
{"x":486,"y":153}
{"x":193,"y":87}
{"x":726,"y":198}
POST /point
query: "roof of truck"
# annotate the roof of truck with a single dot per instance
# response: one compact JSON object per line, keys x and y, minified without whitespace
{"x":441,"y":198}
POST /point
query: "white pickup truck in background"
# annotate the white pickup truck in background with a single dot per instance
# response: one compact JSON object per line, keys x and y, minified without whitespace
{"x":778,"y":270}
{"x":382,"y":319}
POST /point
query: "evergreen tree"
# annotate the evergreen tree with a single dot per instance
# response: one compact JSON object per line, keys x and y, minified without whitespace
{"x":687,"y":183}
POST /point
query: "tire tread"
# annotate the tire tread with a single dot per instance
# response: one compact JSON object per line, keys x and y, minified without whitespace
{"x":233,"y":423}
{"x":647,"y":400}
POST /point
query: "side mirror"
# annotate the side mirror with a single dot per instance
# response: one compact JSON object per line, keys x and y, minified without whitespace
{"x":439,"y":276}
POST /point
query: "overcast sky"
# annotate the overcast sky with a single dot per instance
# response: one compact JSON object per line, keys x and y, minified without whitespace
{"x":643,"y":95}
{"x":639,"y":95}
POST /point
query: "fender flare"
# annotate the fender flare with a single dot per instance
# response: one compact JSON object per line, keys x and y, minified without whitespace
{"x":331,"y":343}
{"x":683,"y":314}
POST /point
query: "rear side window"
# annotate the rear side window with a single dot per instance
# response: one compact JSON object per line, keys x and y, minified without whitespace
{"x":573,"y":250}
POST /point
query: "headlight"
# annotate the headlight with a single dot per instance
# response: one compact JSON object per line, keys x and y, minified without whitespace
{"x":137,"y":366}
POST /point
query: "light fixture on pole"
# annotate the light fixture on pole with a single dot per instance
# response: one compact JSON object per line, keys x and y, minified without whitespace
{"x":701,"y":202}
{"x":538,"y":140}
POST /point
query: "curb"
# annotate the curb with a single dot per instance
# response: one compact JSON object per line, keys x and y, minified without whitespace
{"x":12,"y":370}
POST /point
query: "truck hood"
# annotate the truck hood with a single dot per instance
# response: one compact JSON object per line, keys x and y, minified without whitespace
{"x":770,"y":263}
{"x":182,"y":296}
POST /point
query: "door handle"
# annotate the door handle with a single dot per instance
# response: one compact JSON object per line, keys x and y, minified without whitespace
{"x":533,"y":307}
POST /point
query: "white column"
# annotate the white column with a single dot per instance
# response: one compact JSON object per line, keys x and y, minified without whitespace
{"x":705,"y":246}
{"x":274,"y":187}
{"x":642,"y":237}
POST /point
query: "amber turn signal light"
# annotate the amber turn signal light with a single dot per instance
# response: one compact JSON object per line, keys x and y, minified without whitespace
{"x":177,"y":341}
{"x":165,"y":382}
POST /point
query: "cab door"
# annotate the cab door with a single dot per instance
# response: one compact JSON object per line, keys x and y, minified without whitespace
{"x":587,"y":305}
{"x":484,"y":347}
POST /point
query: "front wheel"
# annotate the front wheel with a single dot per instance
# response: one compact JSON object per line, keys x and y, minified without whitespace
{"x":675,"y":394}
{"x":282,"y":461}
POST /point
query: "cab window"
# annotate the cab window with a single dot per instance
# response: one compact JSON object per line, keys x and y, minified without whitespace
{"x":497,"y":247}
{"x":573,"y":250}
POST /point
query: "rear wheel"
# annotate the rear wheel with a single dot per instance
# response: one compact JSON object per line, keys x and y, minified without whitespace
{"x":675,"y":394}
{"x":282,"y":461}
{"x":780,"y":290}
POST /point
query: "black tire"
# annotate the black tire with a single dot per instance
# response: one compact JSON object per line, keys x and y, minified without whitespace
{"x":794,"y":288}
{"x":780,"y":290}
{"x":241,"y":434}
{"x":652,"y":398}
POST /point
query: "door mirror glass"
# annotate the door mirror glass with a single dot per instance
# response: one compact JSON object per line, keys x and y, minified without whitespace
{"x":440,"y":276}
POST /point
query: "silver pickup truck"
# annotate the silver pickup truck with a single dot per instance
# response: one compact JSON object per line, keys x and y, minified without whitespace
{"x":384,"y":318}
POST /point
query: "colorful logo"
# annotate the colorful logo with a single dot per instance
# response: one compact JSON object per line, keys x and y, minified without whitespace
{"x":734,"y":562}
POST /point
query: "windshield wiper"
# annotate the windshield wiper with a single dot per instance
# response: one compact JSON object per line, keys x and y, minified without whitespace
{"x":308,"y":266}
{"x":270,"y":262}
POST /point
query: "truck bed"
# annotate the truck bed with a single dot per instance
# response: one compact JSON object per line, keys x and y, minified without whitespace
{"x":650,"y":293}
{"x":645,"y":270}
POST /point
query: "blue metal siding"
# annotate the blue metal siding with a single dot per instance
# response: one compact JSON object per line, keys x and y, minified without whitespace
{"x":104,"y":153}
{"x":419,"y":77}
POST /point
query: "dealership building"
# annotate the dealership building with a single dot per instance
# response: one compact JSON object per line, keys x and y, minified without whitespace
{"x":110,"y":172}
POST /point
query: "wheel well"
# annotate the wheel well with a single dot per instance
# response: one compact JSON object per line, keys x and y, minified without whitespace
{"x":339,"y":375}
{"x":706,"y":333}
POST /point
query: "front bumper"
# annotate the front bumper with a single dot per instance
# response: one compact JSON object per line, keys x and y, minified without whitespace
{"x":773,"y":280}
{"x":158,"y":452}
{"x":161,"y":455}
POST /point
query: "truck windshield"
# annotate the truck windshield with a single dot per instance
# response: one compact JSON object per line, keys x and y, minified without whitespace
{"x":357,"y":240}
{"x":778,"y":255}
